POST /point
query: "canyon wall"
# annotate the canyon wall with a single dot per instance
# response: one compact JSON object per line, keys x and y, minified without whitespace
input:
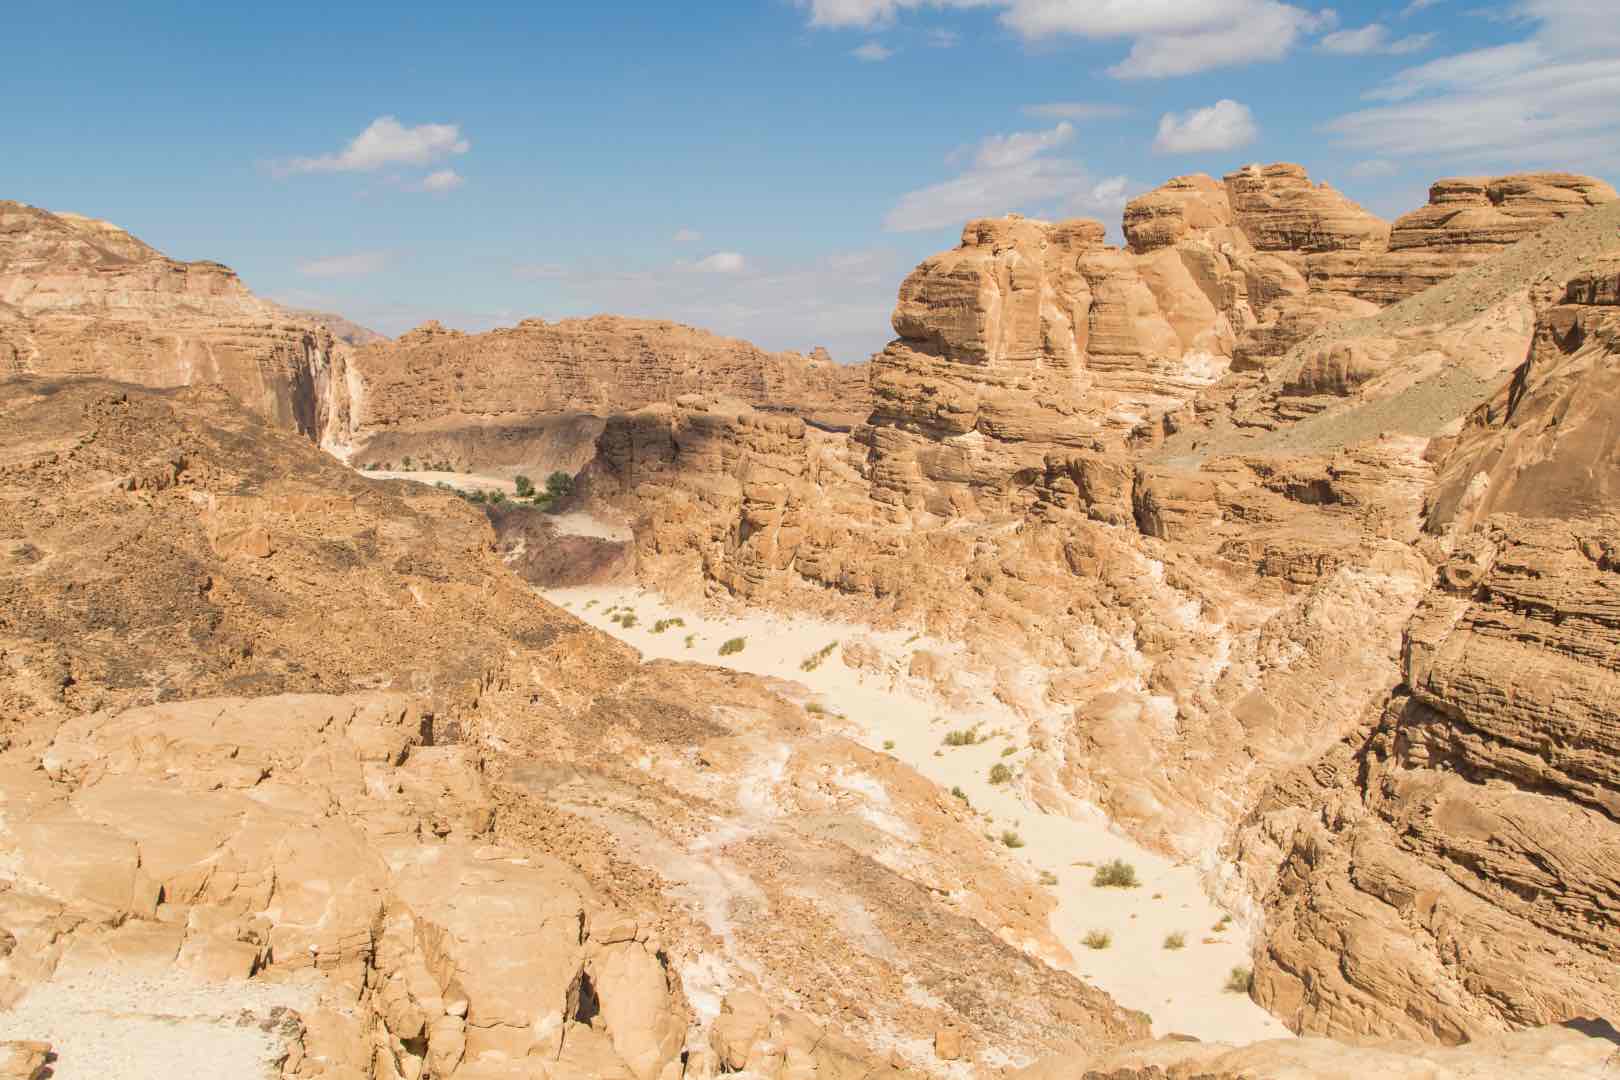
{"x":1250,"y":553}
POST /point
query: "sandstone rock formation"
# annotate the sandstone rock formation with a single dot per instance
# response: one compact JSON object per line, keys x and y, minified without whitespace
{"x":262,"y":718}
{"x":531,"y":394}
{"x":1340,"y":608}
{"x":83,"y":297}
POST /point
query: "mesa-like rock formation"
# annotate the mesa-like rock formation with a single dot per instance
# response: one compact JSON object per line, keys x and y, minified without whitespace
{"x":83,"y":297}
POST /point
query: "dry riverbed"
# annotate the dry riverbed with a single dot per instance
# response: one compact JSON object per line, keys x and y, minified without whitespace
{"x":879,"y":705}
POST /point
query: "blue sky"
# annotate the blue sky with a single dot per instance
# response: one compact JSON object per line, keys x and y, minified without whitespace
{"x":768,"y":169}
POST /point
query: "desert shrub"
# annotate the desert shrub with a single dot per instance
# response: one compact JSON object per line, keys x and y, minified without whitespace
{"x":626,"y":619}
{"x":1048,"y":878}
{"x":1226,"y":920}
{"x":497,"y":497}
{"x":814,"y":660}
{"x":888,"y":744}
{"x":1000,"y":774}
{"x":1098,"y":939}
{"x":559,"y":484}
{"x":959,"y":793}
{"x":590,"y":603}
{"x":965,"y":737}
{"x":734,"y":645}
{"x":1011,"y":839}
{"x":816,"y":708}
{"x":1240,"y":980}
{"x":1008,"y":751}
{"x":690,"y":639}
{"x":478,"y":496}
{"x":405,"y":463}
{"x":1115,"y":874}
{"x":1175,"y":940}
{"x":664,"y":624}
{"x":524,"y":486}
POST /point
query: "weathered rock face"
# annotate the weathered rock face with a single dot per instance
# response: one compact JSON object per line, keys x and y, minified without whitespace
{"x":83,"y":297}
{"x":511,"y":397}
{"x":1263,"y":619}
{"x":1468,"y":220}
{"x":1455,"y":870}
{"x":262,"y":718}
{"x":1545,"y":1054}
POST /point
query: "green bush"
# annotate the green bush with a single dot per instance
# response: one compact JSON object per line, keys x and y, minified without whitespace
{"x":735,"y":645}
{"x":1175,"y":941}
{"x":888,"y":744}
{"x":1048,"y":878}
{"x":965,"y":737}
{"x":664,"y":624}
{"x":405,"y":464}
{"x":1000,"y":774}
{"x":1115,"y":874}
{"x":559,"y":484}
{"x":1098,"y":939}
{"x":524,"y":486}
{"x":478,"y":496}
{"x":1011,"y":839}
{"x":497,"y":497}
{"x":690,"y":638}
{"x":1008,"y":751}
{"x":1240,"y":981}
{"x":814,"y":660}
{"x":959,"y":793}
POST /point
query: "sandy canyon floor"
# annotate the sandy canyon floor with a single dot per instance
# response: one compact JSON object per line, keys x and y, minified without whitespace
{"x":878,"y":704}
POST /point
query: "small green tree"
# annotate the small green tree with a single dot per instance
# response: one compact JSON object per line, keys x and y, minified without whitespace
{"x":405,"y":463}
{"x":1115,"y":874}
{"x":525,"y":486}
{"x":497,"y":497}
{"x":559,"y":484}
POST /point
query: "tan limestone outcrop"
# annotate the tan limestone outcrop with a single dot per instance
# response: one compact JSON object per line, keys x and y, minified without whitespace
{"x":83,"y":297}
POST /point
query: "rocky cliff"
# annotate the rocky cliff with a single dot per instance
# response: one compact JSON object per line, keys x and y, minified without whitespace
{"x":1337,"y":605}
{"x":84,"y":297}
{"x":268,"y":723}
{"x":511,"y":397}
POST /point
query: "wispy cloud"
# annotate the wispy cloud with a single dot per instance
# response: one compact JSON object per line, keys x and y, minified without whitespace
{"x":721,"y":262}
{"x":1167,"y":37}
{"x":872,"y":52}
{"x":386,"y":142}
{"x":1373,"y":168}
{"x":440,"y":182}
{"x":1015,"y":171}
{"x":358,"y":264}
{"x":1225,"y":125}
{"x":1373,"y":38}
{"x":941,"y":38}
{"x":1550,"y":99}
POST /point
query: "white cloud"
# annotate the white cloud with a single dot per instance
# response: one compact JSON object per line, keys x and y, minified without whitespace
{"x":441,"y":181}
{"x":687,"y":236}
{"x":1168,"y":37}
{"x":387,"y":142}
{"x":1372,"y":38}
{"x":940,"y":38}
{"x":1074,"y":110}
{"x":1225,"y":125}
{"x":1373,"y":168}
{"x":1416,"y":6}
{"x":1009,"y":172}
{"x":1551,"y":99}
{"x":1007,"y":151}
{"x":721,"y":262}
{"x":356,"y":265}
{"x":864,"y":14}
{"x":872,"y":52}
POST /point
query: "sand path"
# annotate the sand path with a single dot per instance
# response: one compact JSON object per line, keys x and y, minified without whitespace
{"x":1182,"y":989}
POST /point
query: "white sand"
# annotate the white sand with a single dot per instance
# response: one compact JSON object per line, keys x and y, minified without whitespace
{"x":120,"y":1025}
{"x":579,"y":523}
{"x":1181,"y":989}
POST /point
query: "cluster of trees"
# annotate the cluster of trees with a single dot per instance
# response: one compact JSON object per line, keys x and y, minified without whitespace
{"x":558,"y":484}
